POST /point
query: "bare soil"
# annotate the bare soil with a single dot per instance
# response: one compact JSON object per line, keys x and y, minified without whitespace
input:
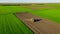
{"x":42,"y":27}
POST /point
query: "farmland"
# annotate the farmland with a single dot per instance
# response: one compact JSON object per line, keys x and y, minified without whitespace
{"x":10,"y":24}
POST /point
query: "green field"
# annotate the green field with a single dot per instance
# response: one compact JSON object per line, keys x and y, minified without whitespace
{"x":10,"y":24}
{"x":50,"y":14}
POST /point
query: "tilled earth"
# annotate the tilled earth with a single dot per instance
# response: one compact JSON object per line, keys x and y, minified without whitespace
{"x":44,"y":26}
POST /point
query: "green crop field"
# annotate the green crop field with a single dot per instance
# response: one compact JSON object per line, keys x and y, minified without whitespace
{"x":10,"y":24}
{"x":50,"y":14}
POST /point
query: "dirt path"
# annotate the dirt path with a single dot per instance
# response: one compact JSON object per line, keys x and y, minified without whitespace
{"x":42,"y":27}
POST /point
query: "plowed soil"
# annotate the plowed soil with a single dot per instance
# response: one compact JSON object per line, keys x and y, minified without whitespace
{"x":42,"y":27}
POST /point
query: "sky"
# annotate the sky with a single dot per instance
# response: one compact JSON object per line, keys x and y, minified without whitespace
{"x":29,"y":1}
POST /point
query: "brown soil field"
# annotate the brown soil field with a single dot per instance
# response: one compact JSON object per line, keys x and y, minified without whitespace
{"x":42,"y":27}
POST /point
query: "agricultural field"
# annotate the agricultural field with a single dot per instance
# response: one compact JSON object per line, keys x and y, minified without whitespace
{"x":10,"y":24}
